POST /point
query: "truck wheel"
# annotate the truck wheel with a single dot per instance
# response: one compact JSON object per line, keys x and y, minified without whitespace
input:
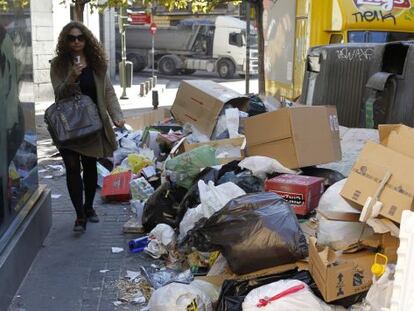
{"x":226,"y":69}
{"x":167,"y":66}
{"x":138,"y":61}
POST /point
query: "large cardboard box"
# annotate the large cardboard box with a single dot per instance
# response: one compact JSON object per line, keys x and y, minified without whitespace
{"x":296,"y":137}
{"x":399,"y":138}
{"x":370,"y":168}
{"x":340,"y":276}
{"x":199,"y":102}
{"x":148,"y":118}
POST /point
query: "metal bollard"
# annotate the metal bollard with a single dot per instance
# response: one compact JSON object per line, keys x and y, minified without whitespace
{"x":155,"y":99}
{"x":151,"y":83}
{"x":147,"y":87}
{"x":141,"y":89}
{"x":154,"y":82}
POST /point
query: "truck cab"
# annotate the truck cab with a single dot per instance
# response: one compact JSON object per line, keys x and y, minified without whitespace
{"x":291,"y":27}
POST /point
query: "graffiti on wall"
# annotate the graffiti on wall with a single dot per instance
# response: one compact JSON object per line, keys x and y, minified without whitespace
{"x":380,"y":10}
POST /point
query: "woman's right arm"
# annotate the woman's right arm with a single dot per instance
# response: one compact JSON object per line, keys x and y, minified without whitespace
{"x":64,"y":85}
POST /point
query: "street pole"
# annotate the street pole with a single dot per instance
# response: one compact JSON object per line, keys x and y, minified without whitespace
{"x":153,"y":52}
{"x":122,"y":72}
{"x":247,"y":75}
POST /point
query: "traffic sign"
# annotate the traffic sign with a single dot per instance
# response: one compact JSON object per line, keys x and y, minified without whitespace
{"x":153,"y":28}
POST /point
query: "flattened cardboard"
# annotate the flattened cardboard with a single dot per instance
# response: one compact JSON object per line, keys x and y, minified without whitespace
{"x":399,"y":138}
{"x":148,"y":118}
{"x":366,"y":175}
{"x":199,"y":102}
{"x":296,"y":137}
{"x":340,"y":276}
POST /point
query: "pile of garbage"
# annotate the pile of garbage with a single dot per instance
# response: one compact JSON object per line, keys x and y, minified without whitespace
{"x":228,"y":197}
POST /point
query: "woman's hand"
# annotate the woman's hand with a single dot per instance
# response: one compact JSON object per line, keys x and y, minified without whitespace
{"x":120,"y":123}
{"x":76,"y":71}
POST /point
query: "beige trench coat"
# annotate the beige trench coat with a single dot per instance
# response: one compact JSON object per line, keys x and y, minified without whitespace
{"x":104,"y":143}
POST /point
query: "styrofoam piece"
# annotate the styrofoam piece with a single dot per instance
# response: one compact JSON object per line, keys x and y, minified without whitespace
{"x":402,"y":296}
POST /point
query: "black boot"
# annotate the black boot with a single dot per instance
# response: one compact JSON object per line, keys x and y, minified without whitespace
{"x":80,"y":225}
{"x":91,"y":215}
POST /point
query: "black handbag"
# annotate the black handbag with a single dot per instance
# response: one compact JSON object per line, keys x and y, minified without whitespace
{"x":72,"y":118}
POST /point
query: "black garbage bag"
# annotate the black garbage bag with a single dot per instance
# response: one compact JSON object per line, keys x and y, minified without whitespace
{"x":192,"y":197}
{"x":162,"y":207}
{"x":331,"y":176}
{"x":245,"y":180}
{"x":253,"y":232}
{"x":255,"y":106}
{"x":233,"y":292}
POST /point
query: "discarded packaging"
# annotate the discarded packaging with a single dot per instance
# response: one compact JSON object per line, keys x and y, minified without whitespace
{"x":253,"y":232}
{"x":161,"y":277}
{"x":141,"y":189}
{"x":184,"y":168}
{"x":116,"y":187}
{"x":339,"y":276}
{"x":374,"y":162}
{"x":296,"y":137}
{"x":200,"y":102}
{"x":292,"y":295}
{"x":302,"y":192}
{"x":261,"y":166}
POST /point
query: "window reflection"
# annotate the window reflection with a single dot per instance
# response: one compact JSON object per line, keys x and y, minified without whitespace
{"x":18,"y":158}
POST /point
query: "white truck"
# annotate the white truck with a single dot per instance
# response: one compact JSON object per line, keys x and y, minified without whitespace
{"x":194,"y":44}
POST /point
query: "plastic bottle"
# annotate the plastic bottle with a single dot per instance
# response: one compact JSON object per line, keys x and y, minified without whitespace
{"x":138,"y":245}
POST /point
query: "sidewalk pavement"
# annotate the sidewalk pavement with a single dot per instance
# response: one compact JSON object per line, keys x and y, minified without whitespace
{"x":65,"y":276}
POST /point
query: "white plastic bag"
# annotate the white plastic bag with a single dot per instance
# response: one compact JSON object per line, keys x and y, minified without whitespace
{"x":260,"y":166}
{"x":213,"y":198}
{"x":232,"y":121}
{"x":338,"y":234}
{"x":190,"y":218}
{"x":302,"y":299}
{"x":379,"y":295}
{"x":162,"y":238}
{"x":182,"y":297}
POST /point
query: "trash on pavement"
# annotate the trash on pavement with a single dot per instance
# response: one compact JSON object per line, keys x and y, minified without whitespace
{"x":337,"y":234}
{"x":161,"y":277}
{"x":163,"y":206}
{"x":140,"y":189}
{"x":245,"y":180}
{"x":102,"y":172}
{"x":227,"y":150}
{"x":373,"y":164}
{"x":340,"y":275}
{"x":296,"y":137}
{"x":185,"y":167}
{"x":253,"y":232}
{"x":292,"y":295}
{"x":116,"y":250}
{"x":200,"y":102}
{"x":212,"y":198}
{"x":177,"y":297}
{"x":302,"y":192}
{"x":261,"y":166}
{"x":116,"y":187}
{"x":161,"y":239}
{"x":138,"y":245}
{"x":379,"y":295}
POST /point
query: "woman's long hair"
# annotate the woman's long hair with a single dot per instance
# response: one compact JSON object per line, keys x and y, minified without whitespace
{"x":93,"y":50}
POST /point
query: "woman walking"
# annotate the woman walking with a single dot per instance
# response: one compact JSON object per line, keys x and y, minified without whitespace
{"x":80,"y":67}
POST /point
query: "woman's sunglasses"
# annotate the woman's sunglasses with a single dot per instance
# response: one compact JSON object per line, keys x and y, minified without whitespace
{"x":72,"y":38}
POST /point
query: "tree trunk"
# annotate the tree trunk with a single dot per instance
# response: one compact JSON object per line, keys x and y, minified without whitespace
{"x":79,"y":8}
{"x":258,"y":7}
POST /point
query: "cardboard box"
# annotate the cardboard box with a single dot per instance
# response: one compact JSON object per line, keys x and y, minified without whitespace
{"x":296,"y":137}
{"x":200,"y":102}
{"x":148,"y":118}
{"x":340,"y":276}
{"x":116,"y":187}
{"x":302,"y":192}
{"x":399,"y":138}
{"x":366,"y":175}
{"x":239,"y":143}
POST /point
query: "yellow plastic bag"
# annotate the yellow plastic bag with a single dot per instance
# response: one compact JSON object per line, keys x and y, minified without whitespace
{"x":137,"y":162}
